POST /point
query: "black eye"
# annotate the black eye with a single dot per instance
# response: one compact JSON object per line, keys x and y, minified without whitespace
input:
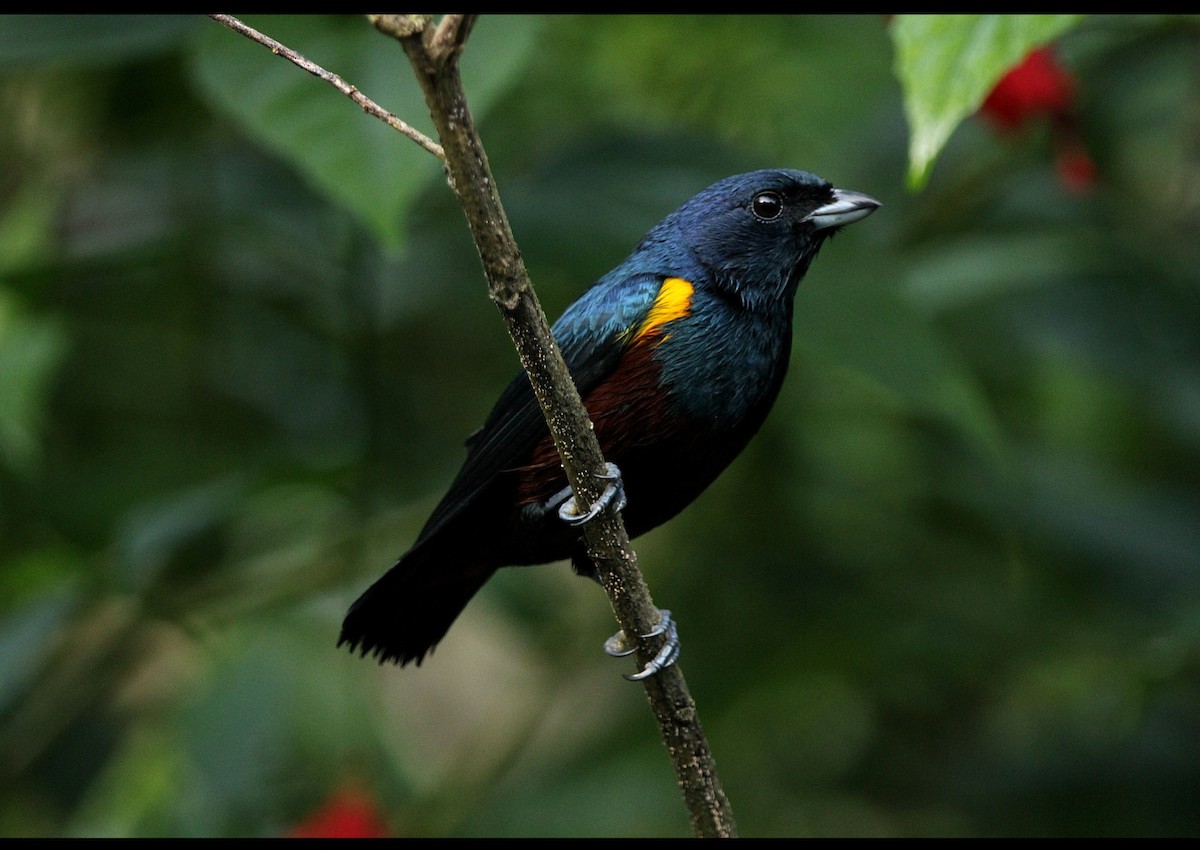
{"x":767,"y":205}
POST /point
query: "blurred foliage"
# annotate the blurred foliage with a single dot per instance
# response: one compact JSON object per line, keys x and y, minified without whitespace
{"x":952,"y":588}
{"x":948,"y":64}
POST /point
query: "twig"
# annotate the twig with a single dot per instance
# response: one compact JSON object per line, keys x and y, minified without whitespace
{"x":368,"y":106}
{"x":434,"y":57}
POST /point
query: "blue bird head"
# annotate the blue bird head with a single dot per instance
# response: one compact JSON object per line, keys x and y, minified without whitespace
{"x":754,"y":235}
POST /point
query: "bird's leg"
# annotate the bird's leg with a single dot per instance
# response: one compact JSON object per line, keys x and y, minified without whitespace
{"x":563,"y":502}
{"x":619,"y":646}
{"x":613,"y":498}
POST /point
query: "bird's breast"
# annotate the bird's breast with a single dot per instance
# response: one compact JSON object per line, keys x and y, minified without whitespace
{"x":721,"y":364}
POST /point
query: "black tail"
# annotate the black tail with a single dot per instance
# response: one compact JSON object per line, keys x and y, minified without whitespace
{"x":403,"y":615}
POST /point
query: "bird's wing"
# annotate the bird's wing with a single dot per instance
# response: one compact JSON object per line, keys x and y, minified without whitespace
{"x":592,"y":335}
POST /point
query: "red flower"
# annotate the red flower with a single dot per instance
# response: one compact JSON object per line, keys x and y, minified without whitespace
{"x":350,"y":812}
{"x":1039,"y":85}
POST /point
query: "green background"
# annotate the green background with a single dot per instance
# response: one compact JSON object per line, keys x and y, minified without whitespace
{"x":952,"y":588}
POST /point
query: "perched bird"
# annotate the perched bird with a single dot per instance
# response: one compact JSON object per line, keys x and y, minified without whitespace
{"x":678,"y":353}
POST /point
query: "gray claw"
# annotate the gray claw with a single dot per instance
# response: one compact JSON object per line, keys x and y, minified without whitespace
{"x":618,"y":646}
{"x":613,"y":498}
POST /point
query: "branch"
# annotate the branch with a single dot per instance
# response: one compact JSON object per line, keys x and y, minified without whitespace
{"x":368,"y":106}
{"x":433,"y":53}
{"x":434,"y":57}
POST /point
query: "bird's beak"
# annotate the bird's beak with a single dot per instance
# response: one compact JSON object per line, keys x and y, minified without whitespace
{"x":846,"y":208}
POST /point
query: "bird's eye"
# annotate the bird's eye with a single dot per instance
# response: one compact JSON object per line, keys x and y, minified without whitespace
{"x":768,"y":206}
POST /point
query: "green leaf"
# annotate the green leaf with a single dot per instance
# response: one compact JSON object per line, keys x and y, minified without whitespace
{"x":27,"y":226}
{"x":88,"y":39}
{"x":359,"y":162}
{"x":30,"y":352}
{"x":947,"y":64}
{"x":27,"y":635}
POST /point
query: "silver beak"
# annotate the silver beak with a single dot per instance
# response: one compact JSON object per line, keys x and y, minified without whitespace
{"x":846,"y":208}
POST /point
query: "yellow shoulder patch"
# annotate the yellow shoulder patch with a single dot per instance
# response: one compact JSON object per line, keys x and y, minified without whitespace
{"x":674,"y":301}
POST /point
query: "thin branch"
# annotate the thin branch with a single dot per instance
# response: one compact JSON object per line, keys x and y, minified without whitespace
{"x":434,"y":59}
{"x":368,"y":106}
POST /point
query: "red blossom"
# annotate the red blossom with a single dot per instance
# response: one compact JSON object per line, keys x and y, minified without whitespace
{"x":349,"y":812}
{"x":1038,"y":86}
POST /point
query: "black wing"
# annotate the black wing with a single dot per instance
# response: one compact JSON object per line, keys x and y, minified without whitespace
{"x":592,"y":334}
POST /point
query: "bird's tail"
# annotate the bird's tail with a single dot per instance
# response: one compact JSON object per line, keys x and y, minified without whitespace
{"x":411,"y":607}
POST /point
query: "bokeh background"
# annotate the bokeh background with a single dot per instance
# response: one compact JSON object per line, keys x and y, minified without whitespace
{"x":952,"y":588}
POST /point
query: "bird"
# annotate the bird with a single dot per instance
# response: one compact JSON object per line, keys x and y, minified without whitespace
{"x":678,"y":353}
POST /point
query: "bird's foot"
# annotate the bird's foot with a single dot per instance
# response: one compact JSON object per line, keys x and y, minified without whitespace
{"x":612,"y":499}
{"x":619,"y":645}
